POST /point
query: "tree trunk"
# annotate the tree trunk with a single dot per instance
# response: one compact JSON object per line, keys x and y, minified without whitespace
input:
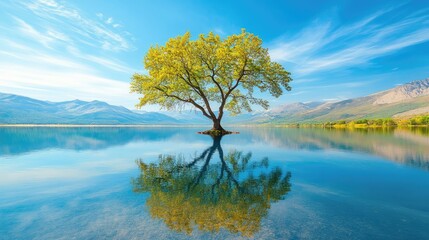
{"x":217,"y":129}
{"x":216,"y":125}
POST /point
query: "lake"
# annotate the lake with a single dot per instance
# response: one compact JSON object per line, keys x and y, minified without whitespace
{"x":171,"y":183}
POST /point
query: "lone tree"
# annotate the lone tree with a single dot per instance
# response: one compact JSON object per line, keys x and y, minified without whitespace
{"x":209,"y":73}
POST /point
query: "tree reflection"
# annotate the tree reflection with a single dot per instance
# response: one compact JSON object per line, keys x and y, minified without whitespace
{"x":233,"y":193}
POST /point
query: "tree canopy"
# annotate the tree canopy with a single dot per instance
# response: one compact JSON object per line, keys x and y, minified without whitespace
{"x":233,"y":194}
{"x":210,"y":74}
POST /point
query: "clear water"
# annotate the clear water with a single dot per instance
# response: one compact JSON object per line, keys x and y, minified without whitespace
{"x":171,"y":183}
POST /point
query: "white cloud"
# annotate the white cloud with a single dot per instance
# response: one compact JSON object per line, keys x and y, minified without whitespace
{"x":27,"y":56}
{"x":54,"y":77}
{"x":63,"y":84}
{"x":298,"y":93}
{"x":89,"y":31}
{"x":50,"y":3}
{"x":305,"y":43}
{"x":342,"y":85}
{"x":219,"y":31}
{"x":109,"y":20}
{"x":43,"y":56}
{"x":323,"y":46}
{"x":31,"y":32}
{"x":112,"y":64}
{"x":58,"y":35}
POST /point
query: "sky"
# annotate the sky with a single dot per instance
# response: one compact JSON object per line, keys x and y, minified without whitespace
{"x":77,"y":49}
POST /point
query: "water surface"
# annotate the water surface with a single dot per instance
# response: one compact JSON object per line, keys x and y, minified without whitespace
{"x":171,"y":183}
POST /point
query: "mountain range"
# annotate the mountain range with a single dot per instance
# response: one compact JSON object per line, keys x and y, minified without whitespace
{"x":402,"y":101}
{"x":23,"y":110}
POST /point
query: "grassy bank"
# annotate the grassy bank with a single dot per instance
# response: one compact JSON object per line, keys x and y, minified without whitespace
{"x":416,"y":121}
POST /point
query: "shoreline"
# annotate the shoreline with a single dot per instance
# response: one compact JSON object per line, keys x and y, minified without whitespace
{"x":99,"y":125}
{"x":206,"y":125}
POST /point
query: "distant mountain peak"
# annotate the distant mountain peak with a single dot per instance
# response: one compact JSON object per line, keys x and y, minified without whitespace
{"x":294,"y":107}
{"x":78,"y":101}
{"x":404,"y":92}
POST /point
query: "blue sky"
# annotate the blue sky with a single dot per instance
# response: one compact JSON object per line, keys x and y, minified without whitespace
{"x":63,"y":50}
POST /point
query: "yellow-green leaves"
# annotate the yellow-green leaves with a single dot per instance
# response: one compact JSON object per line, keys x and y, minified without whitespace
{"x":210,"y":71}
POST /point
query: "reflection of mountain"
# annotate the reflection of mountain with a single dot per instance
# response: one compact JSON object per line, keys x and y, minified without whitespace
{"x":233,"y":193}
{"x":399,"y":145}
{"x":22,"y":140}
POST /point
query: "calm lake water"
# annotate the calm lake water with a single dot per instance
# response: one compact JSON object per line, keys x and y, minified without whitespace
{"x":171,"y":183}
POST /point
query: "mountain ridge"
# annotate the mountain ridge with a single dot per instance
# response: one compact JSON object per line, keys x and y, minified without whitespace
{"x":15,"y":109}
{"x":396,"y":101}
{"x":405,"y":100}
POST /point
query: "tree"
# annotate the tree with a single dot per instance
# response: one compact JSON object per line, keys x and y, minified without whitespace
{"x":234,"y":193}
{"x":208,"y":73}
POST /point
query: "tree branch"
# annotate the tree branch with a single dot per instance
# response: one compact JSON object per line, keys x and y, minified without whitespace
{"x":170,"y":95}
{"x":198,"y":90}
{"x":189,"y":100}
{"x":222,"y":105}
{"x":203,"y":169}
{"x":212,"y":76}
{"x":217,"y":84}
{"x":202,"y":156}
{"x":201,"y":109}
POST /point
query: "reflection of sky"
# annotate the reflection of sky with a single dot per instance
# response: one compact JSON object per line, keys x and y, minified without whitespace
{"x":68,"y":164}
{"x":58,"y":193}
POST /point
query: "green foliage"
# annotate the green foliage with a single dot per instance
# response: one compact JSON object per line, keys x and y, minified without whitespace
{"x":380,"y":122}
{"x":419,"y":120}
{"x":362,"y":121}
{"x":210,"y":70}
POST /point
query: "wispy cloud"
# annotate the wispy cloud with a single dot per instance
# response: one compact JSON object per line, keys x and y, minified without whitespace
{"x":54,"y":52}
{"x":219,"y":30}
{"x":324,"y":46}
{"x":298,"y":93}
{"x":58,"y":35}
{"x":27,"y":56}
{"x":109,"y":63}
{"x":28,"y":30}
{"x":87,"y":30}
{"x":49,"y":76}
{"x":62,"y":84}
{"x":109,"y":20}
{"x":343,"y":85}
